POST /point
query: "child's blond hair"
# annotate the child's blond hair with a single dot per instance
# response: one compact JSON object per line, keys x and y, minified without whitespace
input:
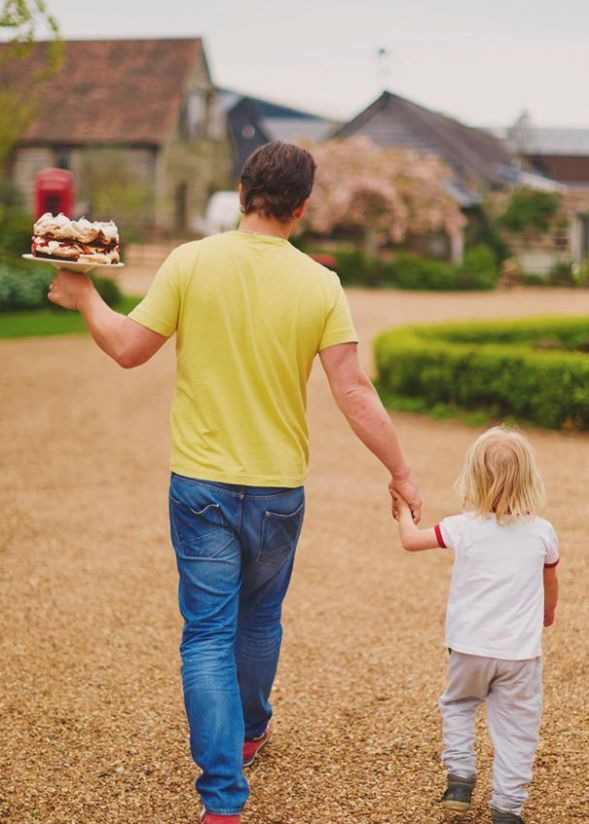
{"x":500,"y":476}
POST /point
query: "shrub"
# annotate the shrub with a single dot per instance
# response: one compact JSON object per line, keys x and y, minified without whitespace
{"x":412,"y":272}
{"x":23,"y":290}
{"x":409,"y":271}
{"x":356,"y":269}
{"x":26,"y":287}
{"x":561,"y":274}
{"x":581,"y":275}
{"x":351,"y":267}
{"x":492,"y":366}
{"x":108,"y":290}
{"x":533,"y":279}
{"x":529,"y":210}
{"x":480,"y":268}
{"x":16,"y":226}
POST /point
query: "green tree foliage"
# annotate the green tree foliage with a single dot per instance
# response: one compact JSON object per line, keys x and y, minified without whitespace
{"x":529,"y":211}
{"x":26,"y":21}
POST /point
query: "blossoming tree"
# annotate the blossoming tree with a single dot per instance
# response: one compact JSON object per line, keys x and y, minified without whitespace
{"x":388,"y":194}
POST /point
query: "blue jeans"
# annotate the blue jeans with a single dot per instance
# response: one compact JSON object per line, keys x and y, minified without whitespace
{"x":235,"y":548}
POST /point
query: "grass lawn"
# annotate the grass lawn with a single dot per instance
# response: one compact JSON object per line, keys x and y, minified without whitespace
{"x":41,"y":322}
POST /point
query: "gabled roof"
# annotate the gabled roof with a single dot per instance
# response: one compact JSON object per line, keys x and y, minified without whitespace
{"x":246,"y":133}
{"x":267,"y":109}
{"x":107,"y":91}
{"x":252,"y":122}
{"x":394,"y":121}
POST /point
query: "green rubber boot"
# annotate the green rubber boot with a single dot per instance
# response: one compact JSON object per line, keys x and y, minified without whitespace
{"x":457,"y":796}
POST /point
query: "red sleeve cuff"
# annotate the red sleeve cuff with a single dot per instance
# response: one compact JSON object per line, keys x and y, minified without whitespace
{"x":551,"y":566}
{"x":439,"y":537}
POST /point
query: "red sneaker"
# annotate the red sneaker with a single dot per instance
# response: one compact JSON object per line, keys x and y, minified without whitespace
{"x":252,"y":746}
{"x":211,"y":818}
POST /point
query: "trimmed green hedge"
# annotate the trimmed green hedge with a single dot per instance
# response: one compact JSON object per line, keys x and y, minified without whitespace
{"x":509,"y":368}
{"x":407,"y":271}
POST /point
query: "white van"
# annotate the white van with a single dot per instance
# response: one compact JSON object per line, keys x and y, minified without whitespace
{"x":222,"y":213}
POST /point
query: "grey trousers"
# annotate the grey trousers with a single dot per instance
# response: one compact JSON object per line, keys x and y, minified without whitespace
{"x":512,"y":691}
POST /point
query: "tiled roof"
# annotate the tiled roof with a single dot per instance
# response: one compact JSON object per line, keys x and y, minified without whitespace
{"x":107,"y":91}
{"x":394,"y":121}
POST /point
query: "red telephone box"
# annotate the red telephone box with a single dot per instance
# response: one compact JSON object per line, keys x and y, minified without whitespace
{"x":54,"y":192}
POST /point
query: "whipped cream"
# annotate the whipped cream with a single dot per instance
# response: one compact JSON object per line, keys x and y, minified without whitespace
{"x":90,"y":242}
{"x":86,"y":231}
{"x":109,"y":229}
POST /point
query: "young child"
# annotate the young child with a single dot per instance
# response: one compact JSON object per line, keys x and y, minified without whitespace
{"x":504,"y":587}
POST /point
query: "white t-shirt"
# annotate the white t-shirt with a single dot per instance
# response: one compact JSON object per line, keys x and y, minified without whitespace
{"x":496,"y":601}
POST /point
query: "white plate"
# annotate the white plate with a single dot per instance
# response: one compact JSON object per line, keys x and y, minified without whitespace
{"x":74,"y":265}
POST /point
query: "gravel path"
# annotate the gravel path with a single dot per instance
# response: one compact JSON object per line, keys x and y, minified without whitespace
{"x":92,"y":729}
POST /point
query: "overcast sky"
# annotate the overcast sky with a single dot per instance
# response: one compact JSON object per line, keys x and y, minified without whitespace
{"x":483,"y":62}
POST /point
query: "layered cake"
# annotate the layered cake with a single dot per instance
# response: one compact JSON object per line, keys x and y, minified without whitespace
{"x":80,"y":240}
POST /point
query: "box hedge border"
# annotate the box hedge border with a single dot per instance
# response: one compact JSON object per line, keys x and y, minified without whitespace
{"x":493,"y":366}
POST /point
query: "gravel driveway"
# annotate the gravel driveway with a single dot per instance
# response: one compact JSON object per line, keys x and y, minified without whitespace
{"x":92,"y":729}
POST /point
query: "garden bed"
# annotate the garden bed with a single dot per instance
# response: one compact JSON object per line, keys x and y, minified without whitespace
{"x":534,"y":369}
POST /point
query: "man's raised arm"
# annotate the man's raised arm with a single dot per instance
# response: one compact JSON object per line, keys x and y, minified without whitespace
{"x":125,"y":341}
{"x":358,"y":400}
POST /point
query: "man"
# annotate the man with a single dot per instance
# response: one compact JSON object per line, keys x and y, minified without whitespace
{"x":250,"y":313}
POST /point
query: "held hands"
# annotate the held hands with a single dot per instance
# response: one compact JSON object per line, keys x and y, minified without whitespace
{"x":400,"y":508}
{"x":413,"y":539}
{"x":405,"y":493}
{"x":403,"y":515}
{"x":68,"y":289}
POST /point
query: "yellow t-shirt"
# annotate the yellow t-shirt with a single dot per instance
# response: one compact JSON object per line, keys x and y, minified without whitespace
{"x":250,"y":312}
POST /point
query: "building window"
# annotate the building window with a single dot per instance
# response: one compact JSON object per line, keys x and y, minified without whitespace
{"x":192,"y":117}
{"x":62,"y":157}
{"x":217,"y":129}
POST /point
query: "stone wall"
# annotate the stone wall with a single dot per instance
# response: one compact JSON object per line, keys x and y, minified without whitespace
{"x":163,"y":187}
{"x":191,"y":172}
{"x":196,"y":160}
{"x":100,"y":175}
{"x":27,"y":162}
{"x":117,"y":182}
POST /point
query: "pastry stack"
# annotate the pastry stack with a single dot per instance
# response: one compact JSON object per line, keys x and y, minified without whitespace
{"x":81,"y":240}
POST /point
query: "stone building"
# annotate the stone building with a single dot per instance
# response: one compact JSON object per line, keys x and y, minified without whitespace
{"x":476,"y":160}
{"x":485,"y":165}
{"x":138,"y":122}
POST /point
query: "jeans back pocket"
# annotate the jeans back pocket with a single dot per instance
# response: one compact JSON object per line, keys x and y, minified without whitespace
{"x":198,"y":533}
{"x":279,"y":536}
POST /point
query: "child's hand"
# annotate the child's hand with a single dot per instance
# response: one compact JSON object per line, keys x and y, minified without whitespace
{"x":396,"y":512}
{"x":406,"y":489}
{"x":548,"y":618}
{"x":412,"y":538}
{"x":400,"y":506}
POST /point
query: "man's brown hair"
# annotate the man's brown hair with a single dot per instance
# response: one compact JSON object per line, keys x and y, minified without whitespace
{"x":276,"y":179}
